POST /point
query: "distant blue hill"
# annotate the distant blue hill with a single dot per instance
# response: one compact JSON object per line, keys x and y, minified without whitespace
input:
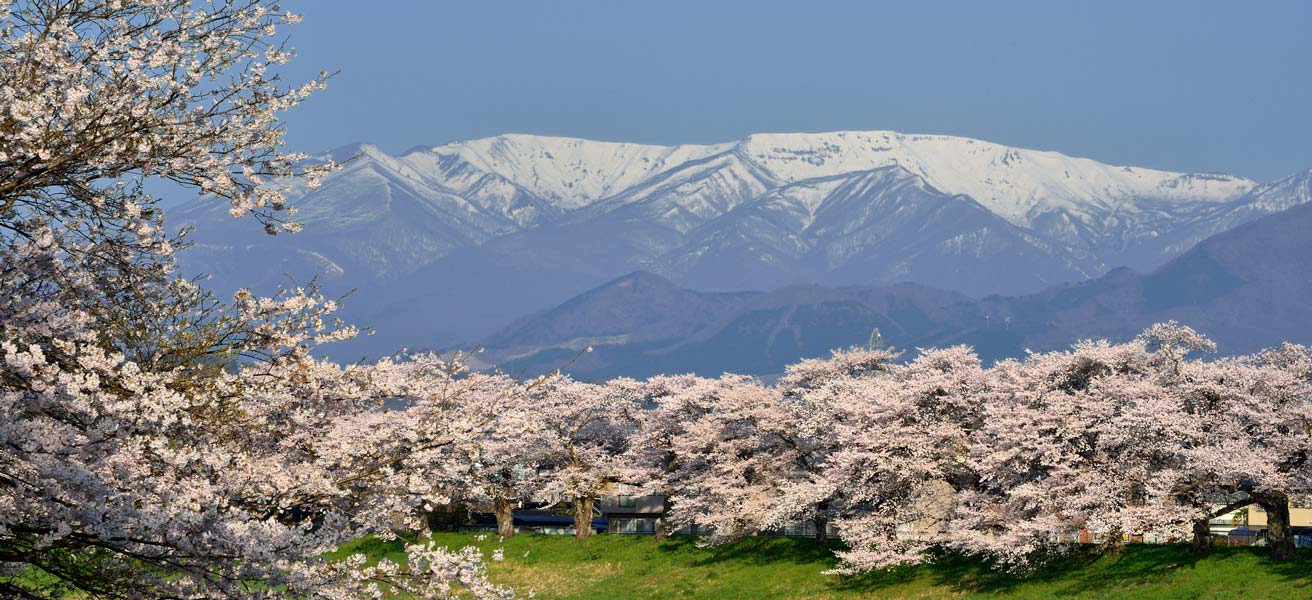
{"x":1247,"y":288}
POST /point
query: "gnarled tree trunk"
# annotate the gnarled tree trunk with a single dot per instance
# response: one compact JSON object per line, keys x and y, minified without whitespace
{"x":505,"y":510}
{"x":1115,"y":543}
{"x":582,"y":518}
{"x":1202,"y":543}
{"x":821,"y":522}
{"x":662,"y":522}
{"x":1278,"y":534}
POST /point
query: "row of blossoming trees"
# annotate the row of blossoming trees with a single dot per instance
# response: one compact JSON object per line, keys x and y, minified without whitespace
{"x":902,"y":457}
{"x":157,"y":442}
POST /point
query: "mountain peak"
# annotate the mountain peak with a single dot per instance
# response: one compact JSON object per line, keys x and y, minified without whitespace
{"x":570,"y":172}
{"x":1014,"y":183}
{"x":353,"y":150}
{"x":557,"y":215}
{"x":1209,"y":287}
{"x":641,"y":278}
{"x":635,"y":307}
{"x":1017,"y":184}
{"x":1284,"y":193}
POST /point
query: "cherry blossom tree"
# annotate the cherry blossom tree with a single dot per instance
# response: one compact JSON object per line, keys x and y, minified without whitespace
{"x":1133,"y":438}
{"x":120,"y":481}
{"x":738,"y":458}
{"x":155,"y":441}
{"x":1252,"y":439}
{"x":725,"y":465}
{"x":669,"y":404}
{"x":425,"y":449}
{"x":584,"y":432}
{"x":808,"y":425}
{"x":901,"y":438}
{"x":1281,"y":429}
{"x":1083,"y":439}
{"x":508,"y":454}
{"x":96,"y":95}
{"x":697,"y":443}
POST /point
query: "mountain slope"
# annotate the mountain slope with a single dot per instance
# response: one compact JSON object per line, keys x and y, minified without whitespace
{"x":445,"y":244}
{"x":1245,"y":288}
{"x":885,"y":224}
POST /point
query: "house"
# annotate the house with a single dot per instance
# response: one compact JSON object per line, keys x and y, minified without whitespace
{"x":629,"y":509}
{"x":1253,"y":518}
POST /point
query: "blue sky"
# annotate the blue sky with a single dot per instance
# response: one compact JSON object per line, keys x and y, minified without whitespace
{"x":1191,"y":86}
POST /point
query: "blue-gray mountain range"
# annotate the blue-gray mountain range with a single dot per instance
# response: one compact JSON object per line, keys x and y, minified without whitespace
{"x":1248,"y":288}
{"x":449,"y":244}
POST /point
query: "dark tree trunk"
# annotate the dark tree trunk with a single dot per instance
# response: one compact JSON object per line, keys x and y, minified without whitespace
{"x":448,"y":517}
{"x":1202,"y":543}
{"x":1115,"y":542}
{"x":821,"y":522}
{"x":505,"y":518}
{"x":582,"y":518}
{"x":662,"y":528}
{"x":1278,"y":534}
{"x":662,"y":524}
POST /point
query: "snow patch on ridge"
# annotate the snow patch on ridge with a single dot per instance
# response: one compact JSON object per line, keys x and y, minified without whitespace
{"x":1016,"y":184}
{"x":572,"y":173}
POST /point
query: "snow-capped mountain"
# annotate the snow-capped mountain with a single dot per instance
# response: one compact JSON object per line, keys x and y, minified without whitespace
{"x":1016,"y":184}
{"x":492,"y":228}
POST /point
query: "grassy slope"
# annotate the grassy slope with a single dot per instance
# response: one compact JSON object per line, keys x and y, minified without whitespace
{"x":638,"y":567}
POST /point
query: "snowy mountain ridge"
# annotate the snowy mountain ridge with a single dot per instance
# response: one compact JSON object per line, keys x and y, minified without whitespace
{"x":496,"y":227}
{"x":1014,"y":183}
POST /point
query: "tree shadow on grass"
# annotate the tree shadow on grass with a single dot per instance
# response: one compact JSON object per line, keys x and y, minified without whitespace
{"x":959,"y":572}
{"x":757,"y":551}
{"x":1141,"y":563}
{"x":1082,"y":571}
{"x":1297,"y":571}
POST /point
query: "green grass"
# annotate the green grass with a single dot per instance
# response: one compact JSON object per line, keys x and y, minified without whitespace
{"x":639,"y":567}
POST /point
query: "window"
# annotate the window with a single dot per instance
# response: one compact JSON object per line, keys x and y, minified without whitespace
{"x":627,"y":502}
{"x":633,"y":526}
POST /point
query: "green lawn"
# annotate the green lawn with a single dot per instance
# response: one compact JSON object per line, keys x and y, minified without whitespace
{"x":639,"y":567}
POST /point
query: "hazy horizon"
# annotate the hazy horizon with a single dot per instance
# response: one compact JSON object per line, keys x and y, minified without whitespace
{"x":1175,"y":86}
